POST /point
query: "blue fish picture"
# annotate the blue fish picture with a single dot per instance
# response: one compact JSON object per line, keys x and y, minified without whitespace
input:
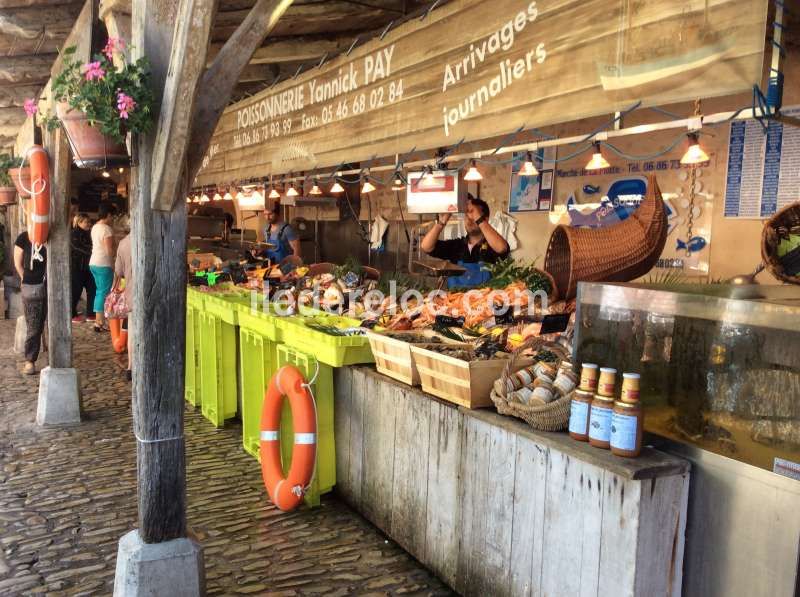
{"x":590,"y":189}
{"x":695,"y":244}
{"x":623,"y":198}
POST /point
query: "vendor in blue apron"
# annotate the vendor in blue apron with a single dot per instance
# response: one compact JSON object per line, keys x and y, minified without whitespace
{"x":279,"y":234}
{"x":482,"y":245}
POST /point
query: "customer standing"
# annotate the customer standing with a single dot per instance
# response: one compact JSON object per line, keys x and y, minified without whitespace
{"x":101,"y":262}
{"x":123,"y":268}
{"x":32,"y":270}
{"x":82,"y":279}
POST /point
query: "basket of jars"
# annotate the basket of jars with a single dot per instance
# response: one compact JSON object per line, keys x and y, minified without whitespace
{"x":540,"y":393}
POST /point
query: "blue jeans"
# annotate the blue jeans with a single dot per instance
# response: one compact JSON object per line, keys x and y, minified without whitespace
{"x":103,"y":279}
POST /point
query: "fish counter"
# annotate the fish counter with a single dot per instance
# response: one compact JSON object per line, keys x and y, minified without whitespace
{"x":477,"y":496}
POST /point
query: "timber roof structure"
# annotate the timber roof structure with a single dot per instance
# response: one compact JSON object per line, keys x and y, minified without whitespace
{"x":33,"y":31}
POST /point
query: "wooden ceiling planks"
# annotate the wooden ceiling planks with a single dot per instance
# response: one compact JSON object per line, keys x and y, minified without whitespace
{"x":32,"y":31}
{"x":31,"y":34}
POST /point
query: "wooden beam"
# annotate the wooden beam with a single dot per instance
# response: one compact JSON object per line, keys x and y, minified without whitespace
{"x":34,"y":22}
{"x":159,"y":309}
{"x":120,"y":6}
{"x":27,"y":3}
{"x":59,"y":294}
{"x":223,"y":74}
{"x":332,"y":17}
{"x":26,"y":70}
{"x":16,"y":95}
{"x":186,"y":65}
{"x":293,"y":49}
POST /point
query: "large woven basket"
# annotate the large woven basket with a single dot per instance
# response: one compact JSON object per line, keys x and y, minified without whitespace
{"x":553,"y":416}
{"x":783,"y":223}
{"x":618,"y":253}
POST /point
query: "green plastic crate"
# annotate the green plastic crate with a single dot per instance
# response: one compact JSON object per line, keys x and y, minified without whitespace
{"x":335,"y":351}
{"x":257,"y":366}
{"x":194,"y":304}
{"x":325,"y":475}
{"x":192,"y":371}
{"x":218,"y":381}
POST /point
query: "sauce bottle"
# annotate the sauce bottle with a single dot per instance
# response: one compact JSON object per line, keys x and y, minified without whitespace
{"x":630,"y":388}
{"x":589,"y":377}
{"x":579,"y":415}
{"x":600,"y":421}
{"x":608,"y":381}
{"x":627,"y":422}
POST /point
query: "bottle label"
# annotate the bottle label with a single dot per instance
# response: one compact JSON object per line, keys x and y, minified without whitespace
{"x":578,"y":417}
{"x":624,"y":431}
{"x":630,"y":395}
{"x":600,"y":424}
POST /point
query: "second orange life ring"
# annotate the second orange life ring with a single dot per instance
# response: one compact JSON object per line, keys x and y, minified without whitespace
{"x":287,"y":492}
{"x":40,"y":194}
{"x":119,"y":336}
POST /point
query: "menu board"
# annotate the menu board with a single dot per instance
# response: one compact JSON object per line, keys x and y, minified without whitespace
{"x":763,"y":168}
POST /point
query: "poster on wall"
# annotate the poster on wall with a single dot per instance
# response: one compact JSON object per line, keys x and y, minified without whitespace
{"x":532,"y":193}
{"x":763,"y":173}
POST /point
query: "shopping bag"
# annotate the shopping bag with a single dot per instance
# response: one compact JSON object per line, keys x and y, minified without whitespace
{"x":116,"y":307}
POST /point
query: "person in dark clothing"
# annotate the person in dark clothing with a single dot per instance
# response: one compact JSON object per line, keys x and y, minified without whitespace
{"x":82,"y":279}
{"x":482,"y":244}
{"x":30,"y":263}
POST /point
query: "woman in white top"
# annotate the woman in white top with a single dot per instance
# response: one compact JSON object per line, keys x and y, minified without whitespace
{"x":101,"y":263}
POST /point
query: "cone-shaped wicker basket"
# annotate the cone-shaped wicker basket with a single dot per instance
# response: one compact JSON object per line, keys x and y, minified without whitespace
{"x":779,"y":226}
{"x":618,"y":253}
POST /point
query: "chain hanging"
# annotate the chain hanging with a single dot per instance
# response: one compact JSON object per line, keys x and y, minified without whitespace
{"x":692,"y":193}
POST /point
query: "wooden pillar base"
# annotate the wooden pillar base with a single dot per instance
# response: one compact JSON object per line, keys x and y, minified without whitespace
{"x":59,"y":397}
{"x":172,"y":568}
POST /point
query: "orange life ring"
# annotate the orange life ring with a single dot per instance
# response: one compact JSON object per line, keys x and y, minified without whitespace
{"x":119,"y":336}
{"x":287,"y":492}
{"x":40,"y":193}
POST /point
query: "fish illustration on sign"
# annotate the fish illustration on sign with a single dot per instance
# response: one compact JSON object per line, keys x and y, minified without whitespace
{"x":695,"y":244}
{"x":590,"y":189}
{"x":623,"y":198}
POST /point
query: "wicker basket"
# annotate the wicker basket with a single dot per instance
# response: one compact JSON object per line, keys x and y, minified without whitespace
{"x":786,"y":221}
{"x":553,"y":416}
{"x":618,"y":253}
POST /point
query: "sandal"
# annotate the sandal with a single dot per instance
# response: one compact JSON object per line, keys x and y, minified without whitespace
{"x":100,"y":328}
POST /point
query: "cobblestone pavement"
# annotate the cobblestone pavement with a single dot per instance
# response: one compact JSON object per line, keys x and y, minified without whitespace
{"x":67,"y":495}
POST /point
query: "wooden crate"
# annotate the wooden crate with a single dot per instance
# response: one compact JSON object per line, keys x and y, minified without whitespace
{"x":393,"y":356}
{"x":467,"y":383}
{"x":205,"y":260}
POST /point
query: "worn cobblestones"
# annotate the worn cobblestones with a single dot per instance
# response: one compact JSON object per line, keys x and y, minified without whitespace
{"x":67,"y":495}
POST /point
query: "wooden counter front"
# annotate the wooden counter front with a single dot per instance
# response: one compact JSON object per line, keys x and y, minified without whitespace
{"x":495,"y":508}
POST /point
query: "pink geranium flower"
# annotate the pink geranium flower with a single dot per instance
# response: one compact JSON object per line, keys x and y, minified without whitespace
{"x":93,"y":71}
{"x":31,"y":107}
{"x":114,"y":44}
{"x":125,"y":104}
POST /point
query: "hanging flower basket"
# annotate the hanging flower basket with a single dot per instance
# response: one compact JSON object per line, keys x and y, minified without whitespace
{"x":25,"y":175}
{"x":8,"y":196}
{"x":91,"y":147}
{"x":98,"y":103}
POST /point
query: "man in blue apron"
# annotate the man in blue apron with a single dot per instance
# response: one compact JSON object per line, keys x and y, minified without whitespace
{"x":279,"y":234}
{"x":482,"y":244}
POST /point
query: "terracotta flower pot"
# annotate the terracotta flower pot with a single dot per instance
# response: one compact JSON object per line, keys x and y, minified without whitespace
{"x":8,"y":196}
{"x":25,"y":174}
{"x":92,"y":148}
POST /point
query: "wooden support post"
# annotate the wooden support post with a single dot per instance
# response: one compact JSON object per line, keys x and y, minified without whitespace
{"x":159,"y":310}
{"x":158,"y":320}
{"x":59,"y":279}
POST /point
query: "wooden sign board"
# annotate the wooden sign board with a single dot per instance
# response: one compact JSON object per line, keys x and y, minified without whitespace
{"x":481,"y":69}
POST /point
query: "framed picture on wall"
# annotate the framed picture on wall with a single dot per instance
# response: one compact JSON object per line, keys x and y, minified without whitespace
{"x":532,"y":193}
